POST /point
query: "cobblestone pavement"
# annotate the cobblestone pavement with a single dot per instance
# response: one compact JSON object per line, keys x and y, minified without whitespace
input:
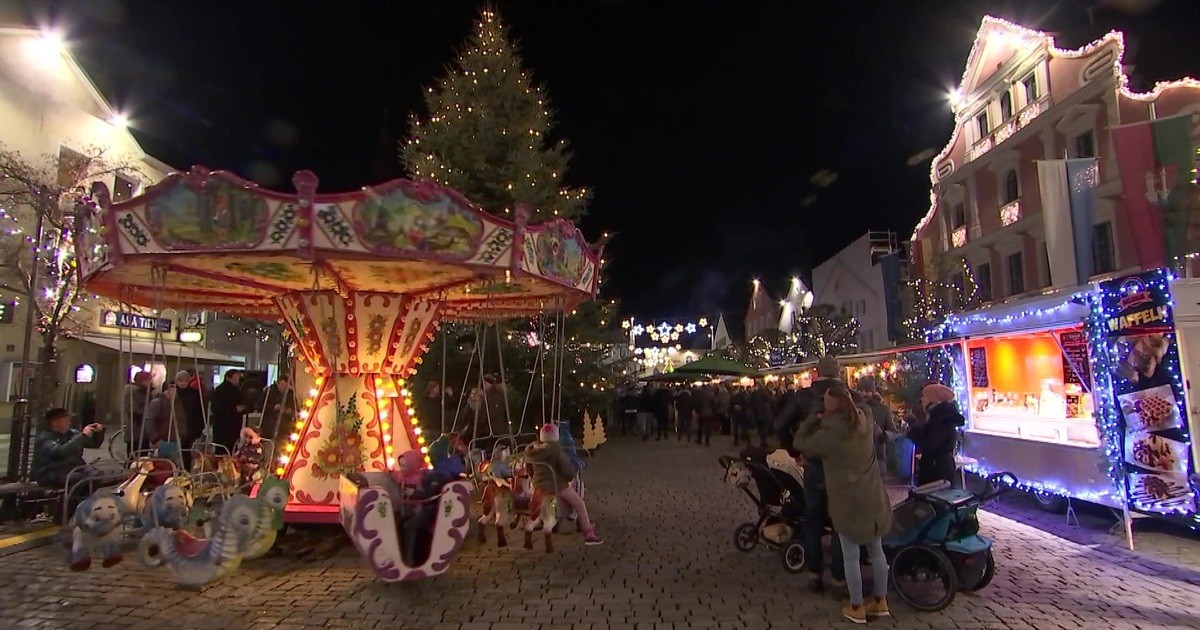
{"x":668,"y":562}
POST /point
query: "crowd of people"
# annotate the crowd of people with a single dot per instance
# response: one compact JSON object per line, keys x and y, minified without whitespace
{"x":839,"y":434}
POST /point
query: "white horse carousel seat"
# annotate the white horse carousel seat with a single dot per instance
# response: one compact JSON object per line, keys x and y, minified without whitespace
{"x":399,"y":547}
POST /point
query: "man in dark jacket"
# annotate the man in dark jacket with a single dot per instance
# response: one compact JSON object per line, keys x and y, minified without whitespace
{"x":706,"y":412}
{"x":761,"y":410}
{"x":816,"y":514}
{"x":226,"y":412}
{"x":685,"y":412}
{"x":662,"y":411}
{"x":279,"y":410}
{"x":58,"y":456}
{"x":191,"y":401}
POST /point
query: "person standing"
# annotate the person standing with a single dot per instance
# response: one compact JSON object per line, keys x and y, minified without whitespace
{"x":645,"y":411}
{"x":816,"y":496}
{"x":843,"y":437}
{"x":739,"y":408}
{"x":881,"y":414}
{"x":226,"y":411}
{"x":685,"y":412}
{"x":937,"y":438}
{"x":191,"y":399}
{"x":723,"y":401}
{"x":134,"y":399}
{"x":662,"y":411}
{"x":279,"y":410}
{"x":166,"y":423}
{"x":761,"y":412}
{"x":706,"y":410}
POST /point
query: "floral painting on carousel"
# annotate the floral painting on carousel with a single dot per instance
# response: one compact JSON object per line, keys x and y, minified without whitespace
{"x":218,"y":213}
{"x":342,"y":451}
{"x":560,"y":256}
{"x":396,"y":222}
{"x":277,"y":271}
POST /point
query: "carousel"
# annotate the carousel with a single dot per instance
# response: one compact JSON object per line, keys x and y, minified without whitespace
{"x":360,"y":281}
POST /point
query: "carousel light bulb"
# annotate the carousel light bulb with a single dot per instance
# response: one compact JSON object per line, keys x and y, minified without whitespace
{"x":308,"y":402}
{"x":303,"y":416}
{"x":378,"y":381}
{"x":420,"y":440}
{"x":378,"y":393}
{"x":425,"y":449}
{"x":388,"y":449}
{"x":283,"y":459}
{"x":289,"y":448}
{"x":404,"y":393}
{"x":416,"y":430}
{"x":387,"y":426}
{"x":279,"y":471}
{"x":312,"y":393}
{"x":391,"y":462}
{"x":294,"y":436}
{"x":400,"y":381}
{"x":408,"y":403}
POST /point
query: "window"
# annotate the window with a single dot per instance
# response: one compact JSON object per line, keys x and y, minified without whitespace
{"x":72,"y":167}
{"x":1016,"y":274}
{"x":1085,"y":145}
{"x":981,"y":124}
{"x":1104,"y":259}
{"x":1031,"y":88}
{"x":1006,"y":105}
{"x":983,"y":280}
{"x":8,"y":311}
{"x":959,"y":218}
{"x":1012,"y":187}
{"x":123,"y":188}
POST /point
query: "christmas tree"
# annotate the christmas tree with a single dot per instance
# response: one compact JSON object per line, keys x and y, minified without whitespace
{"x":826,"y":330}
{"x":487,"y":134}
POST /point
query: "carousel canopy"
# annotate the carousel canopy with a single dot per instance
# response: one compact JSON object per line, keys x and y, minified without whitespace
{"x":210,"y":240}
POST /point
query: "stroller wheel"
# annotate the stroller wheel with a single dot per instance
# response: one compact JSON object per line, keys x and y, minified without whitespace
{"x":924,"y":577}
{"x":745,"y":537}
{"x":793,"y":557}
{"x":989,"y":572}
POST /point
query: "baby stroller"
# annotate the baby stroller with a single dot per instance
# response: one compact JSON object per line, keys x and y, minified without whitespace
{"x":935,"y":549}
{"x":780,"y":503}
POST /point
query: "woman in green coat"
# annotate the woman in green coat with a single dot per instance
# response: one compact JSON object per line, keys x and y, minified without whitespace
{"x":842,"y":437}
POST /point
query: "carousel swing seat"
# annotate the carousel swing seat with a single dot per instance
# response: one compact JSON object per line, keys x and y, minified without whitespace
{"x":404,"y":538}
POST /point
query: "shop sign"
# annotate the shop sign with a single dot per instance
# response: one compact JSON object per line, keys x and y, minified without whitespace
{"x":979,"y":368}
{"x":135,"y":321}
{"x":1150,"y":404}
{"x":1137,"y":304}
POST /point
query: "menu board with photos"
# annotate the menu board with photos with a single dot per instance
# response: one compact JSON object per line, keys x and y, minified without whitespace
{"x":1142,"y":357}
{"x":1077,"y":366}
{"x":979,"y":369}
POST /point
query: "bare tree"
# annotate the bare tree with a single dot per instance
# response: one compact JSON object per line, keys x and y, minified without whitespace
{"x":52,"y":193}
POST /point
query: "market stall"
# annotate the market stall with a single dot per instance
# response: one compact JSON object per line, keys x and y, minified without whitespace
{"x":1080,"y":394}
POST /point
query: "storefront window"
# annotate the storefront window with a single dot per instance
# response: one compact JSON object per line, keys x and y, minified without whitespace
{"x":1033,"y":386}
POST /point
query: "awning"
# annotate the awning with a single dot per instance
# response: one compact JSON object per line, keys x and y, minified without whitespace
{"x":1052,"y":310}
{"x":168,"y":349}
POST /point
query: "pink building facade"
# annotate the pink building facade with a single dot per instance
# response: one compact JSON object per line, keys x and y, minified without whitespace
{"x":1022,"y":99}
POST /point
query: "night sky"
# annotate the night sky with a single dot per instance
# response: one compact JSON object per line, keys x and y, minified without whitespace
{"x":699,"y":125}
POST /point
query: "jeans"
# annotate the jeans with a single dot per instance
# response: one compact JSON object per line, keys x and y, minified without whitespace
{"x":816,"y":515}
{"x":575,"y":502}
{"x":879,"y":568}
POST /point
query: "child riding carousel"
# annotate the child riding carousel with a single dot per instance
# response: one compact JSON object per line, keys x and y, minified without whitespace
{"x":556,"y":474}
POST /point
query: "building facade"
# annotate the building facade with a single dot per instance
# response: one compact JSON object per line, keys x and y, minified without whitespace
{"x":853,"y":282}
{"x":1023,"y":99}
{"x":50,"y":111}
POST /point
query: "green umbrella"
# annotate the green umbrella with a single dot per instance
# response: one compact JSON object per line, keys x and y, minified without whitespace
{"x":670,"y":377}
{"x":716,"y":366}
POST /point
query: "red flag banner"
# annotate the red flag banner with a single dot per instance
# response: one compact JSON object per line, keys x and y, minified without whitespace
{"x":1154,"y":159}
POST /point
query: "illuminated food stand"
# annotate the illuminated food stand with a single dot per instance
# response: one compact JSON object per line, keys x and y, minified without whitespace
{"x":1080,"y":394}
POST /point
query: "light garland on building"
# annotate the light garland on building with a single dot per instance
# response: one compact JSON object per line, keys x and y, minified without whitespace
{"x":1029,"y":35}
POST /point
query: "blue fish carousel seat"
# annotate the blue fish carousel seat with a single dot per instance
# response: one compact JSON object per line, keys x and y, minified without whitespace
{"x":404,"y":532}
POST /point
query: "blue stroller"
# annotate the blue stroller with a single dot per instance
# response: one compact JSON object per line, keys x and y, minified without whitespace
{"x":935,"y":549}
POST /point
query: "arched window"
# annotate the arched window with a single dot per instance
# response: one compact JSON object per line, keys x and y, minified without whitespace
{"x":1012,"y":187}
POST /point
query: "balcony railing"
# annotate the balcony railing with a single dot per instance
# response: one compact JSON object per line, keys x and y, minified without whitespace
{"x":1010,"y":213}
{"x":1006,"y":129}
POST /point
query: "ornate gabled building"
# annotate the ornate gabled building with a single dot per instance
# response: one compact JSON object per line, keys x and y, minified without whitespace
{"x":1024,"y":99}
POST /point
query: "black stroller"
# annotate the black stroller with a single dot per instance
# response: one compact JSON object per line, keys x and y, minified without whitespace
{"x":780,"y":503}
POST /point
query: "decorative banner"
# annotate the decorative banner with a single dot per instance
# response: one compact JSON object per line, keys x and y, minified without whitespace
{"x":1148,"y":393}
{"x":890,"y":267}
{"x":1068,"y":207}
{"x":1155,"y":162}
